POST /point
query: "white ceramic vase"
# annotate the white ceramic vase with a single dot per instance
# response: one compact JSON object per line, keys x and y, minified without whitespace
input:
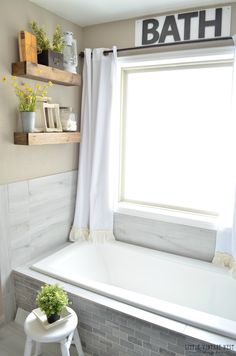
{"x":28,"y":121}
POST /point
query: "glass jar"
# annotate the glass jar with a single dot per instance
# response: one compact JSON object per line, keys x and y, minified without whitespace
{"x":68,"y":119}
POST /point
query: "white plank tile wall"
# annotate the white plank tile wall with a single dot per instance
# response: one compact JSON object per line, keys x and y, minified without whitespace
{"x":35,"y":216}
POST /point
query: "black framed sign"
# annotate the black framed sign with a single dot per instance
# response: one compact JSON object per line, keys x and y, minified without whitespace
{"x":186,"y":26}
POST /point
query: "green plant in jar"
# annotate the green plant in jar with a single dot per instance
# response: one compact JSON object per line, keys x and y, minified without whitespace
{"x":43,"y":42}
{"x":57,"y":42}
{"x":52,"y":300}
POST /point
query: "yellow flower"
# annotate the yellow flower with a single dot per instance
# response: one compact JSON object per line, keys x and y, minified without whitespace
{"x":26,"y":93}
{"x":50,"y":83}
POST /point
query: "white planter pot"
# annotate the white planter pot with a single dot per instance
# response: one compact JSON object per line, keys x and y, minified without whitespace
{"x":28,"y":121}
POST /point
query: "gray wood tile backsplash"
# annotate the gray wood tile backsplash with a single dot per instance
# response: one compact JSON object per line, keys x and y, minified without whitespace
{"x":173,"y":238}
{"x":35,"y":217}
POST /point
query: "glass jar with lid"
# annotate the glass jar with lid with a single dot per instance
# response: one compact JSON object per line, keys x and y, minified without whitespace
{"x":68,"y":118}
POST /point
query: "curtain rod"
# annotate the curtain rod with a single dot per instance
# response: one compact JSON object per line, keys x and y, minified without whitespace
{"x":163,"y":45}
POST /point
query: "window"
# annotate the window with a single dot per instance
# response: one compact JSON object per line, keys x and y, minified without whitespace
{"x":175,"y":118}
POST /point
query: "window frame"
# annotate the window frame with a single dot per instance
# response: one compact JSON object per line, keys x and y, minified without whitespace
{"x":132,"y":63}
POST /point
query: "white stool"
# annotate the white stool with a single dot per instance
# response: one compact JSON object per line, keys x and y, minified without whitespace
{"x":65,"y":333}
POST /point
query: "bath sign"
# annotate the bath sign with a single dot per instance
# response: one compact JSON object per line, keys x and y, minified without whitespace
{"x":187,"y":26}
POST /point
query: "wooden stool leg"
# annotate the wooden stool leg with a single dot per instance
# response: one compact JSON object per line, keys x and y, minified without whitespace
{"x":77,"y":343}
{"x":64,"y":348}
{"x":28,"y":346}
{"x":38,"y":349}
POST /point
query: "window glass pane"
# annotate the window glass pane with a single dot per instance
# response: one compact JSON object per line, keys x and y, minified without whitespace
{"x":175,"y":133}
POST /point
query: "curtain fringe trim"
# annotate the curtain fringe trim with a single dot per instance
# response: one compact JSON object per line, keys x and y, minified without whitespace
{"x":223,"y":259}
{"x":96,"y":236}
{"x":101,"y":236}
{"x":78,"y":234}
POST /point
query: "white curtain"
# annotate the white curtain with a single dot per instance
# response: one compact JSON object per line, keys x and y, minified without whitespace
{"x":93,"y":219}
{"x":225,"y":251}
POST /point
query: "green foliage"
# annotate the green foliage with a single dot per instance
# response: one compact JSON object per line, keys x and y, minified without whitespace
{"x":57,"y":41}
{"x":43,"y":42}
{"x":52,"y":299}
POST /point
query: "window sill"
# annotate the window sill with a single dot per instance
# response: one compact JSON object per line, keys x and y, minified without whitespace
{"x":168,"y":215}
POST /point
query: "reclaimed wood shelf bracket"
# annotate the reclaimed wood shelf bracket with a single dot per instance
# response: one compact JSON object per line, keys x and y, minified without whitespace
{"x":45,"y":73}
{"x":45,"y":138}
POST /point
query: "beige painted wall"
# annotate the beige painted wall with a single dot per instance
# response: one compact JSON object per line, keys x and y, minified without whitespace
{"x":122,"y":34}
{"x":21,"y":162}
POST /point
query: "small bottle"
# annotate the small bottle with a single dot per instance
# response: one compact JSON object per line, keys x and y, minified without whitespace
{"x":68,"y":119}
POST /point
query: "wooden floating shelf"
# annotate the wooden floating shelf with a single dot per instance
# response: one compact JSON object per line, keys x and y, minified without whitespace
{"x":45,"y":138}
{"x":45,"y":73}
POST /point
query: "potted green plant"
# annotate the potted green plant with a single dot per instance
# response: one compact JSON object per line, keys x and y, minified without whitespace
{"x":52,"y":300}
{"x":27,"y":100}
{"x":49,"y":54}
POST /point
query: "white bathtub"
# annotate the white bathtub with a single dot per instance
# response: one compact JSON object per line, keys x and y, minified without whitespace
{"x":194,"y":292}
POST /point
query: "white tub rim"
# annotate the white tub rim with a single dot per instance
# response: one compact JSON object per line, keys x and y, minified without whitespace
{"x":198,"y":319}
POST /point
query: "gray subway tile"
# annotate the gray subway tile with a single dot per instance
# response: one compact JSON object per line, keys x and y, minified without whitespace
{"x":164,"y":352}
{"x":142,"y":336}
{"x":127,"y":344}
{"x":134,"y":340}
{"x":119,"y":335}
{"x":152,"y":347}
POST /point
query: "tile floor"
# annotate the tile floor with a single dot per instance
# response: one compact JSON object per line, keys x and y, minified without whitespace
{"x":12,"y":341}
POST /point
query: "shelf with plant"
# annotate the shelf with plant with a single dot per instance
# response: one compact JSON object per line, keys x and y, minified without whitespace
{"x":50,"y":60}
{"x":27,"y":96}
{"x":44,"y":73}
